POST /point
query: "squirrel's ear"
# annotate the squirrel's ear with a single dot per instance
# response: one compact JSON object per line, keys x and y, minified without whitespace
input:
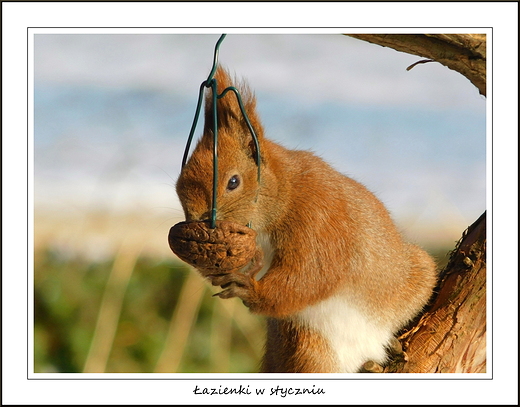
{"x":229,"y":113}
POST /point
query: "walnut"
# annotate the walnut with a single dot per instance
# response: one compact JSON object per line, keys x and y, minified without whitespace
{"x":228,"y":247}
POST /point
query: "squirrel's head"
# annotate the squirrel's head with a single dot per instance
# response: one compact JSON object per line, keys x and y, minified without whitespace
{"x":237,"y":185}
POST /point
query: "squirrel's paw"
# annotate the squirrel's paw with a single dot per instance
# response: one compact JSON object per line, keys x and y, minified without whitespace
{"x":235,"y":285}
{"x":231,"y":282}
{"x":232,"y":291}
{"x":239,"y":284}
{"x":371,"y":367}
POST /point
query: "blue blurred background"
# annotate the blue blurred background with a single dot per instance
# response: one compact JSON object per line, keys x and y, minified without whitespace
{"x":112,"y":114}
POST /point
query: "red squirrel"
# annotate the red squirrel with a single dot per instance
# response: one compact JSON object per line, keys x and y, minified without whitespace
{"x":336,"y":281}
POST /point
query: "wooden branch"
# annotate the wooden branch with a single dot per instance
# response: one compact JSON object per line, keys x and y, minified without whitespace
{"x":464,"y":53}
{"x":451,"y":336}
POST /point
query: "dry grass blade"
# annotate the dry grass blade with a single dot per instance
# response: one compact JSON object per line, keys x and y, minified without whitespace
{"x":183,"y":319}
{"x":221,"y":332}
{"x":110,"y":309}
{"x":249,"y":325}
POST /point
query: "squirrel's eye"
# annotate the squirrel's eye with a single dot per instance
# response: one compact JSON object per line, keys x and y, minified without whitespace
{"x":233,"y":183}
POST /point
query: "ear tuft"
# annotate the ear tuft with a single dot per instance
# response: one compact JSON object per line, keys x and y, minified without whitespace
{"x":228,"y":109}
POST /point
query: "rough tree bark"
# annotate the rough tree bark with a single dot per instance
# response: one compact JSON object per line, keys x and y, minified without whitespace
{"x":450,"y":337}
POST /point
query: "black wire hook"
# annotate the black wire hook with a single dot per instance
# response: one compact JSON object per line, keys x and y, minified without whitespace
{"x":211,"y":82}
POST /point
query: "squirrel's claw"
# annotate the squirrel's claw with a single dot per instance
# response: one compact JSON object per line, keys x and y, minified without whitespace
{"x":234,"y":285}
{"x":224,"y":280}
{"x":232,"y":291}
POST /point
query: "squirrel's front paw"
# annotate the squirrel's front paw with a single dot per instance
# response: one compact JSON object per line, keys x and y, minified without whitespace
{"x":234,"y":285}
{"x":237,"y":283}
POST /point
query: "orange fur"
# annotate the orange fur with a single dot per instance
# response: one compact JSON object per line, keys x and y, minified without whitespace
{"x":331,"y":238}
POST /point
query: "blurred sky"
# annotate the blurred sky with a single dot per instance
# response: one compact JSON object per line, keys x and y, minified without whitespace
{"x":112,"y":114}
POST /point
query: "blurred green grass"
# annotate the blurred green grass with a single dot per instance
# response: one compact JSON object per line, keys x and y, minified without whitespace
{"x":134,"y":313}
{"x":73,"y":296}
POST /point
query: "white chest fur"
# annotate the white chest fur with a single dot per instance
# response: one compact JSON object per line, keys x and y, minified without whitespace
{"x":350,"y":333}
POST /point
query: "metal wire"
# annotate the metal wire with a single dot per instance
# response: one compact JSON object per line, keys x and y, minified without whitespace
{"x":211,"y":82}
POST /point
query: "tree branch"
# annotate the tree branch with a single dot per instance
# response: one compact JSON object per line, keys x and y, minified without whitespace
{"x":464,"y":53}
{"x":451,"y":336}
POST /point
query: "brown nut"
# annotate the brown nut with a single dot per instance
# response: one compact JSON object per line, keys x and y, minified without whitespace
{"x":227,"y":247}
